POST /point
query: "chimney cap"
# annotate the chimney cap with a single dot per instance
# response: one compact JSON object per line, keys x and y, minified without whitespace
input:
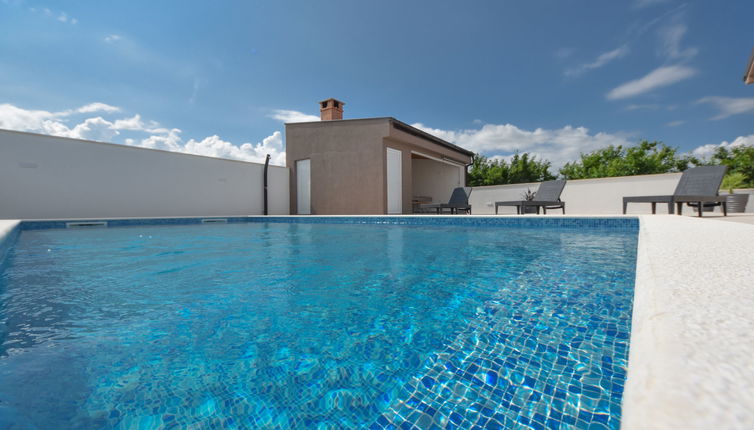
{"x":331,"y":109}
{"x":333,"y":99}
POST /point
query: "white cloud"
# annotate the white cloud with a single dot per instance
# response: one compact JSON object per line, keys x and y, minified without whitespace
{"x":292,"y":116}
{"x":157,"y":137}
{"x":729,"y":106}
{"x":170,"y":141}
{"x":213,"y":146}
{"x":602,"y":60}
{"x":97,"y":128}
{"x":660,"y":77}
{"x":675,"y":123}
{"x":671,"y":36}
{"x":559,"y":146}
{"x":706,"y":151}
{"x":135,"y":123}
{"x":98,"y":107}
{"x":41,"y":121}
{"x":15,"y":118}
{"x":112,"y":38}
{"x":44,"y":122}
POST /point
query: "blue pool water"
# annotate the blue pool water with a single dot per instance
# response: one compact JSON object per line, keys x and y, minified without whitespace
{"x":279,"y":325}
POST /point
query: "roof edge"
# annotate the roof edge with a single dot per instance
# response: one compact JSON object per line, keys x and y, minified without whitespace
{"x":421,"y":133}
{"x":379,"y":118}
{"x":402,"y":126}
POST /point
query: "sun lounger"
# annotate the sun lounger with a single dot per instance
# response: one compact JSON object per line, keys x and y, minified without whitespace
{"x":459,"y":201}
{"x":698,"y":187}
{"x":546,"y":197}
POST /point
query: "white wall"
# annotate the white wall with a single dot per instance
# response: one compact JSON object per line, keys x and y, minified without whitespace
{"x":45,"y":177}
{"x":435,"y":179}
{"x":585,"y":196}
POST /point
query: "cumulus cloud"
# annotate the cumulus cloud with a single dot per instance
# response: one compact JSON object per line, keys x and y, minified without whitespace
{"x":213,"y":146}
{"x":706,"y":151}
{"x":112,"y":38}
{"x":154,"y":136}
{"x":559,"y":146}
{"x":97,"y":128}
{"x":658,"y":78}
{"x":135,"y":123}
{"x":46,"y":122}
{"x":729,"y":106}
{"x":15,"y":118}
{"x":601,"y":60}
{"x":170,"y":141}
{"x":292,"y":116}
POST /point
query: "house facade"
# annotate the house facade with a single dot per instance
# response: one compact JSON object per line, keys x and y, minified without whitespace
{"x":368,"y":166}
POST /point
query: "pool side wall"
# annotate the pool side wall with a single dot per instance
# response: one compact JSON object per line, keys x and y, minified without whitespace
{"x":9,"y":230}
{"x":613,"y":223}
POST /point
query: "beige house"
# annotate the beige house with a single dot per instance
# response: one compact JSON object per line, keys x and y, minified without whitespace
{"x":368,"y":166}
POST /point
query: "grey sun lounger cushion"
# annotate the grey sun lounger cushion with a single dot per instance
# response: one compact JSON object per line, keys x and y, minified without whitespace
{"x":698,"y":187}
{"x":547,"y":197}
{"x":459,"y":201}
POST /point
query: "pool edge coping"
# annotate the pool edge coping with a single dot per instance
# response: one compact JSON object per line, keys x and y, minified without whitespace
{"x":690,"y":364}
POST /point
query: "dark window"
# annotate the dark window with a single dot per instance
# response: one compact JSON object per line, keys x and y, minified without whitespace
{"x":336,"y":104}
{"x":324,"y":105}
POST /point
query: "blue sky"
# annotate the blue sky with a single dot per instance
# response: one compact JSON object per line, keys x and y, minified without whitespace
{"x":555,"y":78}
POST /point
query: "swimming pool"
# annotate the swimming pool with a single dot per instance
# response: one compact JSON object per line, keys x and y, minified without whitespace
{"x":447,"y":323}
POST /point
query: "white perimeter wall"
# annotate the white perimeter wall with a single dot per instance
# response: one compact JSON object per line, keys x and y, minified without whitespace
{"x":44,"y":177}
{"x":435,"y":179}
{"x":588,"y":196}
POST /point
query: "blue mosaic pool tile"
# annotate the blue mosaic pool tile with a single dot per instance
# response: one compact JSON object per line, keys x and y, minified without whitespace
{"x":129,"y":222}
{"x":615,"y":223}
{"x":535,"y":367}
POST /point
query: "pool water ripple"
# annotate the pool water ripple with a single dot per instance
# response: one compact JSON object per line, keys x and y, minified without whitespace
{"x":315,"y":326}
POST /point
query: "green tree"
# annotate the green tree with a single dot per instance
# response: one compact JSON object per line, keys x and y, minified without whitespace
{"x":642,"y":159}
{"x":740,"y":162}
{"x":521,"y":168}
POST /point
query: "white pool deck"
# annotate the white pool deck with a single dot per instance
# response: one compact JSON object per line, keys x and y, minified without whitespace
{"x":691,"y":361}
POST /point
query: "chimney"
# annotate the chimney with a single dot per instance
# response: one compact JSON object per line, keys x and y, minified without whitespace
{"x":330,"y":109}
